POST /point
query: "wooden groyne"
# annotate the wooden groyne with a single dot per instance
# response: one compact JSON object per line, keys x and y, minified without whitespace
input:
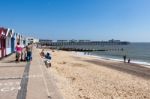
{"x":80,"y":49}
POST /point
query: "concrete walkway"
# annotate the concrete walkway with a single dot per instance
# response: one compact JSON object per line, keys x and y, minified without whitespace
{"x":40,"y":85}
{"x":10,"y":77}
{"x":26,"y":80}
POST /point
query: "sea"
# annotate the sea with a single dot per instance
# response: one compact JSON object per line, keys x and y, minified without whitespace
{"x":137,"y":52}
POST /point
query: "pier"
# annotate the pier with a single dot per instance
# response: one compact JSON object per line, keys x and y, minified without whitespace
{"x":78,"y":45}
{"x":81,"y":42}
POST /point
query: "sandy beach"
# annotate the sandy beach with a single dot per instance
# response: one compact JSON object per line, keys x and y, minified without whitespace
{"x":84,"y":77}
{"x":73,"y":76}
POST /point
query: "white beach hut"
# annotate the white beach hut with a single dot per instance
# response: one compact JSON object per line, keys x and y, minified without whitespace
{"x":22,"y":40}
{"x":8,"y":41}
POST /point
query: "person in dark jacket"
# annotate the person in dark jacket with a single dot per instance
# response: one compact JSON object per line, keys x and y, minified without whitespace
{"x":29,"y":53}
{"x":47,"y":60}
{"x":124,"y":58}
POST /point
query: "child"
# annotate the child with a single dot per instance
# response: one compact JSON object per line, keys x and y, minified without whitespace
{"x":129,"y":60}
{"x":42,"y":53}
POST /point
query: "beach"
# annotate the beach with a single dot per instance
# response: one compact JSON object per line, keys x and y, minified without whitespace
{"x":72,"y":76}
{"x":84,"y":77}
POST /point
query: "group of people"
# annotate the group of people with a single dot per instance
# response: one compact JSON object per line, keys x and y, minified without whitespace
{"x":46,"y":57}
{"x":23,"y":54}
{"x":125,"y":58}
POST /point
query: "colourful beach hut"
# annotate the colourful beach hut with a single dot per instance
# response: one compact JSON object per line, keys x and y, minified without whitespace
{"x":21,"y":41}
{"x":17,"y":38}
{"x":24,"y":41}
{"x":8,"y":41}
{"x":13,"y":42}
{"x":3,"y":32}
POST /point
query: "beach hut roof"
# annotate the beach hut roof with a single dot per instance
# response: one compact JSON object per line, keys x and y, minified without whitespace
{"x":13,"y":33}
{"x":3,"y":32}
{"x":17,"y":35}
{"x":9,"y":32}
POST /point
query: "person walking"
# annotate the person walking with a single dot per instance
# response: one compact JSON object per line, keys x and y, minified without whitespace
{"x":18,"y":52}
{"x":29,"y":52}
{"x":124,"y":58}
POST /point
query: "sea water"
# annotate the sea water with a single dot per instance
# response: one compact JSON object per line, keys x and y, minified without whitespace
{"x":137,"y":52}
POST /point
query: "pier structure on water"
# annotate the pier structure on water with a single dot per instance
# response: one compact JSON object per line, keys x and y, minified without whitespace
{"x":81,"y":42}
{"x":71,"y":45}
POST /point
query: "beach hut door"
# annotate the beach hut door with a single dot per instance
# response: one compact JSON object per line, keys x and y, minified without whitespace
{"x":3,"y":47}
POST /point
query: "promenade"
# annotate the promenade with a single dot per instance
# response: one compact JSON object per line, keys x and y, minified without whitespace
{"x":26,"y":80}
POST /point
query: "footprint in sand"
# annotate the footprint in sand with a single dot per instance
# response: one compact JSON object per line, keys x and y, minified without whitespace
{"x":84,"y":97}
{"x":62,"y":62}
{"x":78,"y":65}
{"x":72,"y":78}
{"x":80,"y":89}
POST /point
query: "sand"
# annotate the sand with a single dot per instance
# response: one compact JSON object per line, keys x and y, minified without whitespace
{"x":84,"y":77}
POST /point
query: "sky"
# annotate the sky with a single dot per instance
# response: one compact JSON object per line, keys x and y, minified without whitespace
{"x":127,"y":20}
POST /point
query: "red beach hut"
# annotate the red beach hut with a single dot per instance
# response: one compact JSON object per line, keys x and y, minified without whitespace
{"x":3,"y":32}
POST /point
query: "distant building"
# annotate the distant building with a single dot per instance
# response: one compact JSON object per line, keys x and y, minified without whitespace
{"x":62,"y":40}
{"x":73,"y":40}
{"x":84,"y":40}
{"x":114,"y":40}
{"x":45,"y":41}
{"x":35,"y":40}
{"x":32,"y":40}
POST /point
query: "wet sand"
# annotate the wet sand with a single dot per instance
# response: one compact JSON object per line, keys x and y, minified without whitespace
{"x":83,"y":77}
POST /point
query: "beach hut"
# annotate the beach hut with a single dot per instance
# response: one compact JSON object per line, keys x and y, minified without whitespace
{"x":8,"y":41}
{"x":13,"y":42}
{"x":17,"y":40}
{"x":21,"y":41}
{"x":2,"y":42}
{"x":25,"y":41}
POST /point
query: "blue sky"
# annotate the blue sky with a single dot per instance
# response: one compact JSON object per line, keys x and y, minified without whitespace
{"x":78,"y":19}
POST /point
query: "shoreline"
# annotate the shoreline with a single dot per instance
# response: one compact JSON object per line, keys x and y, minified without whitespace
{"x":138,"y":62}
{"x":131,"y":68}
